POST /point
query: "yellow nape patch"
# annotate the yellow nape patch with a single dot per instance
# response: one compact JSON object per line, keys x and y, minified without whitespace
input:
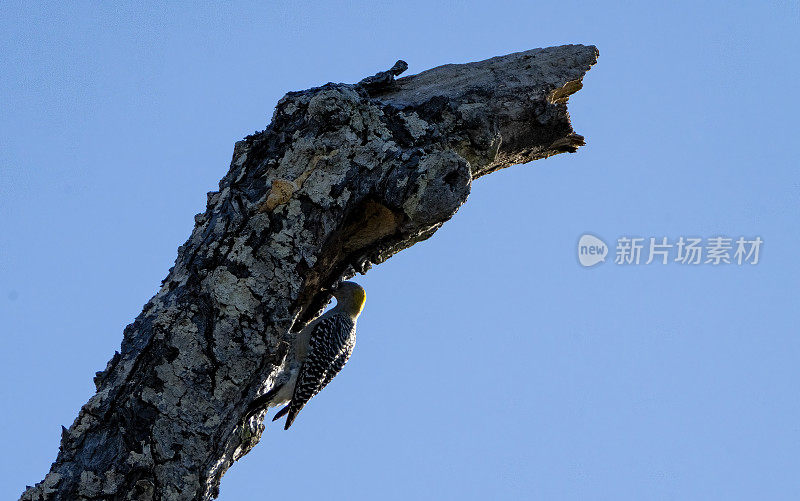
{"x":359,"y":298}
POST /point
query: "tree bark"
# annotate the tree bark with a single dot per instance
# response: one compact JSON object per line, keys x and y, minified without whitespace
{"x":345,"y":176}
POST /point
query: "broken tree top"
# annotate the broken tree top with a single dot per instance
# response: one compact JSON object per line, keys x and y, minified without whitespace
{"x":344,"y":176}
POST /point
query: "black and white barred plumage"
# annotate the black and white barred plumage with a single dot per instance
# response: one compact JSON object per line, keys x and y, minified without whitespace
{"x":331,"y":344}
{"x":322,"y":349}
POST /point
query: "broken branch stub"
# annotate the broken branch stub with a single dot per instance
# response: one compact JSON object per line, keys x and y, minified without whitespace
{"x":345,"y":176}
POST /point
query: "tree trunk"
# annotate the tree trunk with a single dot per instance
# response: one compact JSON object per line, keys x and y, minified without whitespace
{"x":345,"y":176}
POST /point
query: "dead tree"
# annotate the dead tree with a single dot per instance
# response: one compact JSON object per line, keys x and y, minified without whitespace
{"x":345,"y":176}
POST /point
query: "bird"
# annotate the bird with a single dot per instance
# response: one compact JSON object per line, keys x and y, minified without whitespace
{"x":321,"y":349}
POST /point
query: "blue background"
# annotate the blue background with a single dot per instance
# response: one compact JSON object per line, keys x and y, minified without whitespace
{"x":490,"y":364}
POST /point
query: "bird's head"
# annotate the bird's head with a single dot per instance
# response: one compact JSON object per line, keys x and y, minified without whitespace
{"x":350,"y":296}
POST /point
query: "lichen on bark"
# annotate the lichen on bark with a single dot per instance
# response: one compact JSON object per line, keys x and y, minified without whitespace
{"x":345,"y":176}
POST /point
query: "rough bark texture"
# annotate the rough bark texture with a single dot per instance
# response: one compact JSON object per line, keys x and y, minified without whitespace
{"x":343,"y":177}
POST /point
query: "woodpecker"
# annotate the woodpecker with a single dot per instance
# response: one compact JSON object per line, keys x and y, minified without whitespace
{"x":320,"y":351}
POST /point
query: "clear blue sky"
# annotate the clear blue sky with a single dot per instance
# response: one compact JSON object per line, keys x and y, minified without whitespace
{"x":489,"y":364}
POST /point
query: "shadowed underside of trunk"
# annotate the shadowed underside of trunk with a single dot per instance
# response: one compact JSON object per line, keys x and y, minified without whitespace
{"x":345,"y":176}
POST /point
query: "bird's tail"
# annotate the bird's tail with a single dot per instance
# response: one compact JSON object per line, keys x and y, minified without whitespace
{"x":290,"y":418}
{"x":260,"y":402}
{"x":281,"y":413}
